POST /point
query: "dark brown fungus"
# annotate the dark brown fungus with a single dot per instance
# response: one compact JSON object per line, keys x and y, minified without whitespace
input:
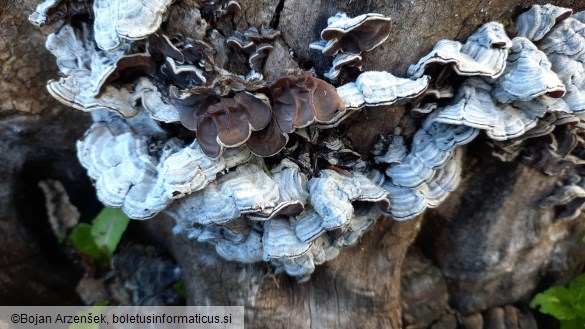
{"x":185,"y":76}
{"x":268,"y":141}
{"x":135,"y":63}
{"x":183,"y":63}
{"x":233,"y":7}
{"x":239,"y":41}
{"x":193,"y":105}
{"x":221,"y":121}
{"x":246,"y":118}
{"x":207,"y":136}
{"x":265,"y":34}
{"x":237,"y":117}
{"x":300,"y":101}
{"x":161,"y":47}
{"x":256,"y":59}
{"x":354,"y":35}
{"x":212,"y":10}
{"x":254,"y":42}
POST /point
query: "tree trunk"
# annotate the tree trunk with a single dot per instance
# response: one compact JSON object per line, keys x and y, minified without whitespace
{"x":487,"y":247}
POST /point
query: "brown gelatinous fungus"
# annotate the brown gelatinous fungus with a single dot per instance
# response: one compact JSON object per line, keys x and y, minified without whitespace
{"x":221,"y":121}
{"x":255,"y":43}
{"x":212,"y":10}
{"x":268,"y":141}
{"x":184,"y":63}
{"x":237,"y":117}
{"x":265,"y":34}
{"x":354,"y":35}
{"x":239,"y":41}
{"x":257,"y":58}
{"x":185,"y":76}
{"x":568,"y":199}
{"x":161,"y":47}
{"x":301,"y":101}
{"x":343,"y":60}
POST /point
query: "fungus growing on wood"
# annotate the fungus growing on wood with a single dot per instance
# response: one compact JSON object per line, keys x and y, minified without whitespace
{"x":256,"y":44}
{"x":354,"y":35}
{"x":346,"y":38}
{"x":377,"y":88}
{"x":568,"y":199}
{"x":117,"y":21}
{"x":484,"y":54}
{"x":527,"y":75}
{"x":301,"y":101}
{"x":312,"y":194}
{"x":535,"y":23}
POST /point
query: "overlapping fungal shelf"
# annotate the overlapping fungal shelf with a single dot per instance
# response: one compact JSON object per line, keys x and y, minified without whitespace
{"x":253,"y":167}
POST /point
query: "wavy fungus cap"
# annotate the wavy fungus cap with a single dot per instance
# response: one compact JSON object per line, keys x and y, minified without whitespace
{"x":354,"y":35}
{"x":535,"y":23}
{"x":222,"y":121}
{"x":301,"y":101}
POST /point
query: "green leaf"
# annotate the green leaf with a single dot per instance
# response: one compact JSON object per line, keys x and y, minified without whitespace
{"x":85,"y":243}
{"x":266,"y":169}
{"x":100,"y":239}
{"x":557,"y":301}
{"x":577,"y":323}
{"x":578,"y":283}
{"x":180,"y":289}
{"x":102,"y":302}
{"x":108,"y":228}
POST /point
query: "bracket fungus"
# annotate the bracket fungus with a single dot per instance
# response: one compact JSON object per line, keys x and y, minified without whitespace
{"x":527,"y":75}
{"x":484,"y":54}
{"x":262,"y":169}
{"x":116,"y":21}
{"x":377,"y":88}
{"x":538,"y":20}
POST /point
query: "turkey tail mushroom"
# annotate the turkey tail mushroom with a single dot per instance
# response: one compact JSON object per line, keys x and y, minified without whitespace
{"x":484,"y":54}
{"x":535,"y":23}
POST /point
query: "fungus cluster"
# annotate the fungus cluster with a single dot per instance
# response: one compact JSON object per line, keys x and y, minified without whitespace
{"x":262,"y":169}
{"x":346,"y":38}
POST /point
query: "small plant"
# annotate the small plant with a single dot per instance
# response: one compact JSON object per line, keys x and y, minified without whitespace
{"x":567,"y":304}
{"x":100,"y":239}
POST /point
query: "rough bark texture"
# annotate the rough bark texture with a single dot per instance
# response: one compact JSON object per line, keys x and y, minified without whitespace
{"x":493,"y":240}
{"x":356,"y":290}
{"x":36,"y":142}
{"x":488,"y":247}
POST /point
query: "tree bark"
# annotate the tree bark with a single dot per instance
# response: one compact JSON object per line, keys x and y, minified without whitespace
{"x":488,"y":246}
{"x":37,"y":141}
